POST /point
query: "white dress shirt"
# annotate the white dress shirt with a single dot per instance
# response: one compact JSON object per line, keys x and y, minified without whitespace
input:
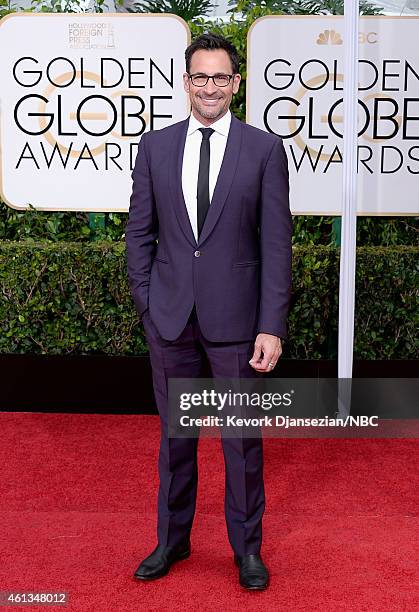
{"x":190,"y":166}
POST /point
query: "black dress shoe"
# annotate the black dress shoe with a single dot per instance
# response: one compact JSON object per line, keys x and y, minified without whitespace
{"x":159,"y":562}
{"x":253,"y":572}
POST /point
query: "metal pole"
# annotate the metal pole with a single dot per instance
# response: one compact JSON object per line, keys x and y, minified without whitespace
{"x":349,"y":203}
{"x":349,"y":192}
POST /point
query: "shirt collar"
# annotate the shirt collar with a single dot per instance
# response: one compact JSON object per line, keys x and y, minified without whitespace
{"x":222,"y":126}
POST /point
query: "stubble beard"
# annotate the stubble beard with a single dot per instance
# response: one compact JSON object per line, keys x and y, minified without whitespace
{"x":209,"y":113}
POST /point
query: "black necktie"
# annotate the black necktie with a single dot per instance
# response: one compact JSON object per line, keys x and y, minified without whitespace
{"x":203,"y":177}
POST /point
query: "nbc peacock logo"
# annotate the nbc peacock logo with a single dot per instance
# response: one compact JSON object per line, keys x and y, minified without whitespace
{"x":329,"y":37}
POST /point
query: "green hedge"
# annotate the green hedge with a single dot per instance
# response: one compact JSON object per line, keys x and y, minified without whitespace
{"x":81,"y":227}
{"x":73,"y":298}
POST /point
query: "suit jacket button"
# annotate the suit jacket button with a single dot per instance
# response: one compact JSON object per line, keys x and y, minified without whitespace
{"x":197,"y":253}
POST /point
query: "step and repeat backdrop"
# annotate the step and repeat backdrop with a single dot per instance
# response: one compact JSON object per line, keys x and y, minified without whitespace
{"x":79,"y":90}
{"x":295,"y":90}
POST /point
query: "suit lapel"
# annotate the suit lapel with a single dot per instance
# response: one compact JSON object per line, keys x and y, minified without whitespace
{"x":222,"y":187}
{"x":175,"y":181}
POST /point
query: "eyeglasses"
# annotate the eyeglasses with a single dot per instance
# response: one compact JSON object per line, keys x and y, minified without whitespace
{"x":219,"y":80}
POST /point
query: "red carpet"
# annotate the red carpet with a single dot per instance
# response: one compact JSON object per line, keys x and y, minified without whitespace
{"x":78,"y":499}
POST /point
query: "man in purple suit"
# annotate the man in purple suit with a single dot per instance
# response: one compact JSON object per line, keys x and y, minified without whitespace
{"x":209,"y":265}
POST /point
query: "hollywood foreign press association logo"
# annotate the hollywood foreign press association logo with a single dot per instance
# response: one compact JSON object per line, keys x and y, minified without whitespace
{"x":91,"y":36}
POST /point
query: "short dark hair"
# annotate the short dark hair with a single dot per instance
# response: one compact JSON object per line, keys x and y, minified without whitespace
{"x":210,"y":41}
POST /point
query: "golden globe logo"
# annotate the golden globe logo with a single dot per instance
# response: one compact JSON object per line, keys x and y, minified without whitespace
{"x":75,"y":100}
{"x":295,"y":85}
{"x":59,"y":116}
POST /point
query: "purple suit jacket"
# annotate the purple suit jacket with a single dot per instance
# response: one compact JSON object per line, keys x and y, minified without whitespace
{"x":239,"y":271}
